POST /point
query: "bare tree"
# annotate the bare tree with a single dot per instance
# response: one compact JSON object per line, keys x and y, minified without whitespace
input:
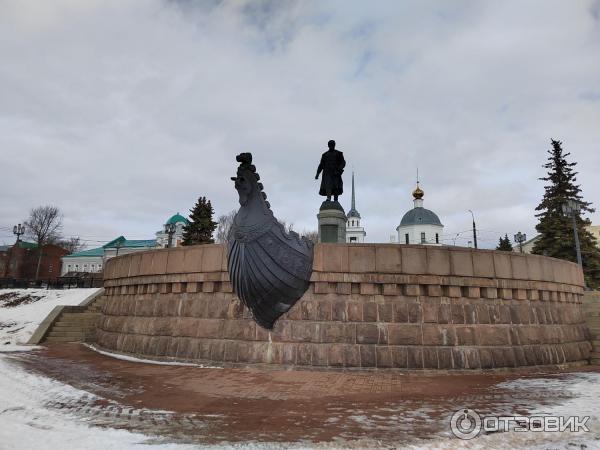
{"x":312,"y":235}
{"x":43,"y":226}
{"x":224,"y":223}
{"x":72,"y":244}
{"x":286,"y":226}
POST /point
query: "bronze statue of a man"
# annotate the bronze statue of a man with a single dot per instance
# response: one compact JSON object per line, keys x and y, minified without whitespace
{"x":332,"y":165}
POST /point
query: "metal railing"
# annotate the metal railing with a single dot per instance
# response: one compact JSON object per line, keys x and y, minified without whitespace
{"x":51,"y":283}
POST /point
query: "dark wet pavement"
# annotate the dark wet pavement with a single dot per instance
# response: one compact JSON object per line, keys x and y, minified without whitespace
{"x":213,"y":405}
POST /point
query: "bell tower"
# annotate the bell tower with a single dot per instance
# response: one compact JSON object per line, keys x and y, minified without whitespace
{"x":355,"y":233}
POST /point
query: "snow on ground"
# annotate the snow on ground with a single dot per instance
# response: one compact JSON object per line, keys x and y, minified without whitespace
{"x":25,"y":421}
{"x":148,"y":361}
{"x":26,"y":424}
{"x":585,"y":389}
{"x":17,"y":323}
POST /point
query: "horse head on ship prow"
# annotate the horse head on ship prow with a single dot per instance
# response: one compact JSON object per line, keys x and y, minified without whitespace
{"x":269,"y":268}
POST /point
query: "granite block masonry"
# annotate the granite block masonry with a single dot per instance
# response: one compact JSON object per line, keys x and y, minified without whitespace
{"x":384,"y":306}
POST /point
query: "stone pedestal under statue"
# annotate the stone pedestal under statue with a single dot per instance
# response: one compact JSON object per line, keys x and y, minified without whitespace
{"x":332,"y":223}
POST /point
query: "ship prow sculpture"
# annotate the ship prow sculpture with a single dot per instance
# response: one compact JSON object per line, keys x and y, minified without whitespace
{"x":269,"y":268}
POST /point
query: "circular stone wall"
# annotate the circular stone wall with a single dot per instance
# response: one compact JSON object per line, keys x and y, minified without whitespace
{"x":368,"y":305}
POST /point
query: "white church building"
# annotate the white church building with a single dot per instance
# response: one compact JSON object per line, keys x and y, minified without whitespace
{"x":162,"y":237}
{"x":420,"y":225}
{"x":355,"y":233}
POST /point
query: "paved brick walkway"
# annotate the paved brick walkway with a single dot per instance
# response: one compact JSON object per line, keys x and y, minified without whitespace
{"x":192,"y":404}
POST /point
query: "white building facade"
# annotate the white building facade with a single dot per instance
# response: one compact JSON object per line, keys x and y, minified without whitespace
{"x":420,"y":225}
{"x":355,"y":233}
{"x":162,"y":237}
{"x":93,"y":260}
{"x":89,"y":261}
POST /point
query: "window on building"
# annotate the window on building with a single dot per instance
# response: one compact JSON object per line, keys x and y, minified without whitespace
{"x":422,"y":238}
{"x":50,"y":268}
{"x":437,"y":238}
{"x":353,"y":239}
{"x":406,"y":239}
{"x":68,"y":267}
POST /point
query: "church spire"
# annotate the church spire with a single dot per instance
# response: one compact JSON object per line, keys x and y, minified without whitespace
{"x":353,"y":212}
{"x":353,"y":197}
{"x":418,"y":193}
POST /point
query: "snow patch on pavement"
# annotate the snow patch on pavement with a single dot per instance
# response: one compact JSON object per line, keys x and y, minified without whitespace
{"x":147,"y":361}
{"x":18,"y":323}
{"x":585,"y":389}
{"x":26,"y":423}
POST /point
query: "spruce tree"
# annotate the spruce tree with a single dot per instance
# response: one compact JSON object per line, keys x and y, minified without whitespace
{"x":200,"y":228}
{"x":504,"y":244}
{"x":556,"y":230}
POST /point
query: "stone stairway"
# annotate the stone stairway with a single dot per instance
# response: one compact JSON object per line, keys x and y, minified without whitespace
{"x":591,"y":309}
{"x":74,"y":327}
{"x":71,"y":323}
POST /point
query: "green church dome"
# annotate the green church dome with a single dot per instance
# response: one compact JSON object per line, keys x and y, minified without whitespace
{"x":176,"y":219}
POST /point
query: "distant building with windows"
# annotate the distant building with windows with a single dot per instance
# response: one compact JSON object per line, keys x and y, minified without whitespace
{"x":93,"y":260}
{"x":21,"y":261}
{"x":162,"y":237}
{"x":420,"y":225}
{"x":354,"y":232}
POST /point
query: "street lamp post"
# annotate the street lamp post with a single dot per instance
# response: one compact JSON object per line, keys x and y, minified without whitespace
{"x":18,"y":230}
{"x":455,"y":238}
{"x":571,"y":208}
{"x":118,"y":245}
{"x":519,"y":239}
{"x":474,"y":230}
{"x":170,"y":230}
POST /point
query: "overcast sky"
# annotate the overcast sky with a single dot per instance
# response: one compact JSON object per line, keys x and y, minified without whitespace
{"x":123,"y":112}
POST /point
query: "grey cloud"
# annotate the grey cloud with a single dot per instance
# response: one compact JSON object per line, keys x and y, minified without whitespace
{"x":123,"y":112}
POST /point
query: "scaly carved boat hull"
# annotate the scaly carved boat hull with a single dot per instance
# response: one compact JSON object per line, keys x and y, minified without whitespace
{"x":269,"y":272}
